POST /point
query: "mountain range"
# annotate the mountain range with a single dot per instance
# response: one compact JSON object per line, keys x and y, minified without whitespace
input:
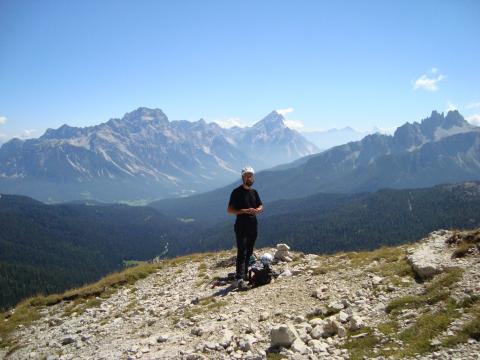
{"x":439,"y":149}
{"x":143,"y":156}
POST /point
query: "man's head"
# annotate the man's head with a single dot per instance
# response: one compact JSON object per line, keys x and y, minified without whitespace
{"x":247,"y":176}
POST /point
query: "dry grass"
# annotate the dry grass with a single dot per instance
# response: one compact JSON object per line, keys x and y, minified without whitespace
{"x":205,"y":305}
{"x":465,"y":242}
{"x":384,"y":254}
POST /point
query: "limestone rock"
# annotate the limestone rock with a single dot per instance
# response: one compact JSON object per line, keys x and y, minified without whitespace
{"x":283,"y":335}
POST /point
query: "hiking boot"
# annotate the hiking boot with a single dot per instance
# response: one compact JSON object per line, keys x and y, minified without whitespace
{"x":240,"y":284}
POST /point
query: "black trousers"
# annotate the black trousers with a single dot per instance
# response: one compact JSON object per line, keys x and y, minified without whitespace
{"x":246,"y":234}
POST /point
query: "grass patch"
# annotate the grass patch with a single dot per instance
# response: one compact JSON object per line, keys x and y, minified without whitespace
{"x":417,"y":337}
{"x":437,"y":290}
{"x":465,"y":241}
{"x":386,"y":254}
{"x":404,"y":302}
{"x":322,"y":270}
{"x":202,"y":267}
{"x":205,"y":305}
{"x":23,"y":315}
{"x":363,"y":346}
{"x":275,"y":356}
{"x":388,"y":327}
{"x":470,"y":329}
{"x":398,"y":267}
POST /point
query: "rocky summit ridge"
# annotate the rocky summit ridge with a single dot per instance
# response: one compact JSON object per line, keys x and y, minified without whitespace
{"x":417,"y":301}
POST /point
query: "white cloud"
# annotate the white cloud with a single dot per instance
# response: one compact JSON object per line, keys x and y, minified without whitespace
{"x":284,"y":112}
{"x":474,"y":119}
{"x":230,"y":122}
{"x":451,"y":106}
{"x":428,"y":83}
{"x":294,"y":124}
{"x":28,"y":133}
{"x":3,"y":120}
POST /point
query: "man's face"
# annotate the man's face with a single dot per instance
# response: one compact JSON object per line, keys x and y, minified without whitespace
{"x":248,"y":179}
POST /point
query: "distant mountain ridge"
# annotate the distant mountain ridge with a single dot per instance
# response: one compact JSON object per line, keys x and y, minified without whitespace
{"x":439,"y":149}
{"x":142,"y":156}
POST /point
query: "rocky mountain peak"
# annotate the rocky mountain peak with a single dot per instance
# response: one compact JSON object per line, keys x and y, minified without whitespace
{"x":144,"y":114}
{"x":454,"y":118}
{"x":432,"y":128}
{"x":272,"y":121}
{"x":63,"y":132}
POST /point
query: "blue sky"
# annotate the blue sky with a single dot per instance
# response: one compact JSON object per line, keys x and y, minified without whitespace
{"x":329,"y":63}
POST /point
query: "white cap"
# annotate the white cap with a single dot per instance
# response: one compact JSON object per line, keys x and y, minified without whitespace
{"x":247,"y":170}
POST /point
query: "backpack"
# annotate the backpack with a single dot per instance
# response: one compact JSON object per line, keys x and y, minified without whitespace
{"x":260,"y":274}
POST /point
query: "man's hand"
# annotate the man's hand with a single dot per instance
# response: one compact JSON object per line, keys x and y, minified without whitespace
{"x":253,"y":211}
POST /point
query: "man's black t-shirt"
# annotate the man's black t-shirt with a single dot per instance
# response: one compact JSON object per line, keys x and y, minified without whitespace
{"x":242,"y":198}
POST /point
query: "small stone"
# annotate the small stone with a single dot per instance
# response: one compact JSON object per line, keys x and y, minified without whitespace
{"x":264,"y":316}
{"x":162,"y":338}
{"x":343,"y":317}
{"x":335,"y":306}
{"x":67,"y":340}
{"x":198,"y":331}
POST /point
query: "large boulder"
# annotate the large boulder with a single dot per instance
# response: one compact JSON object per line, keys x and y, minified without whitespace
{"x":431,"y":256}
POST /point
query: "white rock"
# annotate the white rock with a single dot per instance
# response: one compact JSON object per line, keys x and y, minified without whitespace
{"x":317,"y":332}
{"x":227,"y":337}
{"x":283,"y":335}
{"x":335,"y":306}
{"x":299,"y":346}
{"x":283,"y":247}
{"x":356,"y":322}
{"x":430,"y":257}
{"x":318,"y":346}
{"x":343,"y":317}
{"x":286,"y":273}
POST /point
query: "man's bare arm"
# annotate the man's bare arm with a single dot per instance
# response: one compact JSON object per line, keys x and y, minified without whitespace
{"x":232,"y":210}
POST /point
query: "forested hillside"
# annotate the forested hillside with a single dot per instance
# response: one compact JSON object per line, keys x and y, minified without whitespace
{"x":330,"y":223}
{"x":49,"y":248}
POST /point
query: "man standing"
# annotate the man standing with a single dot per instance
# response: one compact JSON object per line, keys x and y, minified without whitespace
{"x":246,"y":204}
